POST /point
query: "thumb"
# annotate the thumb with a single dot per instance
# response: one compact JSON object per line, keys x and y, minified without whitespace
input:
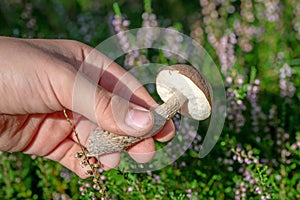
{"x":111,"y":112}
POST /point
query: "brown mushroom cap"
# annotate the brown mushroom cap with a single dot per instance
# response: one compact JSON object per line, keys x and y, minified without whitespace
{"x":189,"y":82}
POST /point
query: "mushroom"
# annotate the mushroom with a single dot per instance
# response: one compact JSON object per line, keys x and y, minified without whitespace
{"x":183,"y":89}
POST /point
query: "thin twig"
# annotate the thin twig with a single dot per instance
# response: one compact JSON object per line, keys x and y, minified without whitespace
{"x":83,"y":149}
{"x":94,"y":168}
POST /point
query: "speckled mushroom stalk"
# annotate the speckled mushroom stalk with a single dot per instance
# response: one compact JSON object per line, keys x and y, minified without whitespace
{"x":183,"y":89}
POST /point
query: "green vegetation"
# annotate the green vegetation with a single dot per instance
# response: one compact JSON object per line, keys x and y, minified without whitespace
{"x":255,"y":44}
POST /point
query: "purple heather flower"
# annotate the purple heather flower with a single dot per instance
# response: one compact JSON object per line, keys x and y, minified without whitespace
{"x":156,"y":178}
{"x":102,"y":177}
{"x":96,"y":187}
{"x":183,"y":164}
{"x":287,"y":88}
{"x":294,"y":146}
{"x":149,"y":173}
{"x":81,"y":188}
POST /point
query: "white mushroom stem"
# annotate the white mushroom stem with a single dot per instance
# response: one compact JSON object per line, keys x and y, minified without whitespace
{"x":101,"y":141}
{"x":171,"y":106}
{"x":166,"y":111}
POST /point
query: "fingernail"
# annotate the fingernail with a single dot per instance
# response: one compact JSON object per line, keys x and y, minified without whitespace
{"x":138,"y":119}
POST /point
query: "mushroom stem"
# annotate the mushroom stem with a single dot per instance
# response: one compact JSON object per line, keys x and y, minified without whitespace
{"x":171,"y":106}
{"x":101,"y":141}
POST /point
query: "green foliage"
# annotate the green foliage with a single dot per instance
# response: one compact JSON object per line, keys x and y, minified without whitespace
{"x":257,"y":155}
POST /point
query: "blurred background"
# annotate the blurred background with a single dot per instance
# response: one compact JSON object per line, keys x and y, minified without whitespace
{"x":255,"y":45}
{"x":88,"y":21}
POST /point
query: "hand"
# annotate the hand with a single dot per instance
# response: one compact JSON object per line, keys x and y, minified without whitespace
{"x":37,"y":79}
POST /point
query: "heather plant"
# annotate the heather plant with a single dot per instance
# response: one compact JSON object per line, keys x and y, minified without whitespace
{"x":255,"y":44}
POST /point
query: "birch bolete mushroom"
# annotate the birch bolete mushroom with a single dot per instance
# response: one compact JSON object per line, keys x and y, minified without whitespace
{"x":183,"y":89}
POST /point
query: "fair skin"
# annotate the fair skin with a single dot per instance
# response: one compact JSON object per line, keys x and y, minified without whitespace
{"x":36,"y":84}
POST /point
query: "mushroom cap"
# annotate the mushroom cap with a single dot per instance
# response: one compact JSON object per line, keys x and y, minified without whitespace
{"x":189,"y":82}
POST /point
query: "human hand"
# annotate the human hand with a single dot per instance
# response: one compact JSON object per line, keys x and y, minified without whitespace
{"x":36,"y":84}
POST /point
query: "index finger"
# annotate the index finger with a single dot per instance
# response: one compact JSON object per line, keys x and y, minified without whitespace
{"x":117,"y":80}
